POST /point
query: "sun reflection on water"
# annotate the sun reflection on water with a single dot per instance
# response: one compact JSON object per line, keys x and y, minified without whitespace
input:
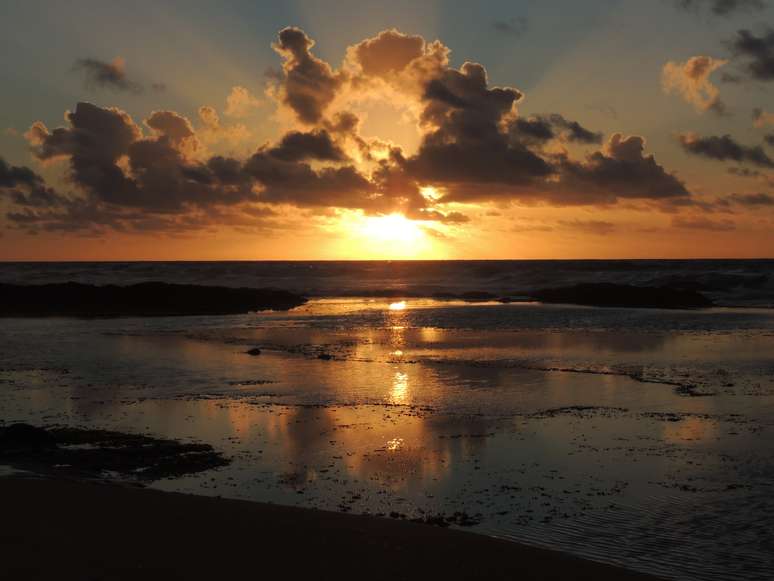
{"x":395,"y":444}
{"x":399,"y":392}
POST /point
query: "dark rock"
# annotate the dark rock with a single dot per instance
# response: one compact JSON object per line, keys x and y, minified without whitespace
{"x":325,"y":356}
{"x":90,"y":453}
{"x":25,"y":438}
{"x":621,"y":295}
{"x":477,"y":296}
{"x":254,"y":351}
{"x":144,"y":299}
{"x":444,"y":295}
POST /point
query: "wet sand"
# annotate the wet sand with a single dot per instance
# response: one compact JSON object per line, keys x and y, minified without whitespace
{"x":61,"y":529}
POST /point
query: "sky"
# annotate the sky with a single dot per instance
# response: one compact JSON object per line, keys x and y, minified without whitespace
{"x":244,"y":130}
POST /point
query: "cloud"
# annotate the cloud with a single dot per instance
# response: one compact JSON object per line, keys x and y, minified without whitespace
{"x":213,"y":131}
{"x":515,"y":26}
{"x":395,"y":67}
{"x":744,"y":172}
{"x":701,"y":223}
{"x":750,"y":200}
{"x":387,"y":53}
{"x":107,"y":75}
{"x":762,"y":118}
{"x":297,"y":183}
{"x":177,"y":130}
{"x":25,"y":187}
{"x":13,"y":176}
{"x":691,"y":80}
{"x":308,"y":85}
{"x":465,"y":149}
{"x":542,"y":128}
{"x":721,"y":7}
{"x":758,"y":51}
{"x":573,"y":131}
{"x":113,"y":163}
{"x":239,"y":102}
{"x":620,"y":170}
{"x":303,"y":146}
{"x":474,"y":147}
{"x":597,"y":227}
{"x":724,"y":148}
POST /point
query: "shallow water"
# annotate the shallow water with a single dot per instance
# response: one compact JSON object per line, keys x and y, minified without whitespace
{"x":636,"y":437}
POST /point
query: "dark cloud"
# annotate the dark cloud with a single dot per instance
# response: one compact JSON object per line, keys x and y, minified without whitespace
{"x":465,"y":148}
{"x":620,"y":170}
{"x":750,"y":200}
{"x":12,"y":176}
{"x":744,"y":172}
{"x":24,"y":187}
{"x":475,"y":146}
{"x":301,"y":146}
{"x":554,"y":126}
{"x":162,"y":174}
{"x":721,"y":7}
{"x":573,"y":131}
{"x":515,"y":26}
{"x":106,"y":75}
{"x":725,"y":148}
{"x":701,"y":223}
{"x":598,"y":227}
{"x":757,"y":51}
{"x":533,"y":128}
{"x":307,"y":85}
{"x":461,"y":105}
{"x":455,"y":218}
{"x":297,"y":183}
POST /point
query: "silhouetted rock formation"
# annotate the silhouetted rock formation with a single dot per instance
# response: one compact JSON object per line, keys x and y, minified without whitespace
{"x":144,"y":299}
{"x":77,"y":452}
{"x":24,"y":438}
{"x":622,"y":295}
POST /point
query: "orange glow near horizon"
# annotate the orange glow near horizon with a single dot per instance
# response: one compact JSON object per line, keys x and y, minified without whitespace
{"x":388,"y":237}
{"x":394,"y":228}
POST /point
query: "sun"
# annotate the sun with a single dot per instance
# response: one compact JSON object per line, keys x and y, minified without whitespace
{"x":387,"y":237}
{"x":392,"y":228}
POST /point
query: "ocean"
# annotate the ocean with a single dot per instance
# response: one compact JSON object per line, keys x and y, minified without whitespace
{"x":728,"y":282}
{"x":638,"y":437}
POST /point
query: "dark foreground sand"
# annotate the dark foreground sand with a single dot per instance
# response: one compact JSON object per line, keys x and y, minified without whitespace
{"x":56,"y":529}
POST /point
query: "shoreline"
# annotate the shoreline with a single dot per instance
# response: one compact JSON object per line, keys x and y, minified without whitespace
{"x":67,"y":529}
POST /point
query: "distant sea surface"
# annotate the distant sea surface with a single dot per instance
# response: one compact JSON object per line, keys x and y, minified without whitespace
{"x":727,"y":282}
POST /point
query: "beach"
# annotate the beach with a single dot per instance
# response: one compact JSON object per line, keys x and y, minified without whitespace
{"x":56,"y":529}
{"x":634,"y":437}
